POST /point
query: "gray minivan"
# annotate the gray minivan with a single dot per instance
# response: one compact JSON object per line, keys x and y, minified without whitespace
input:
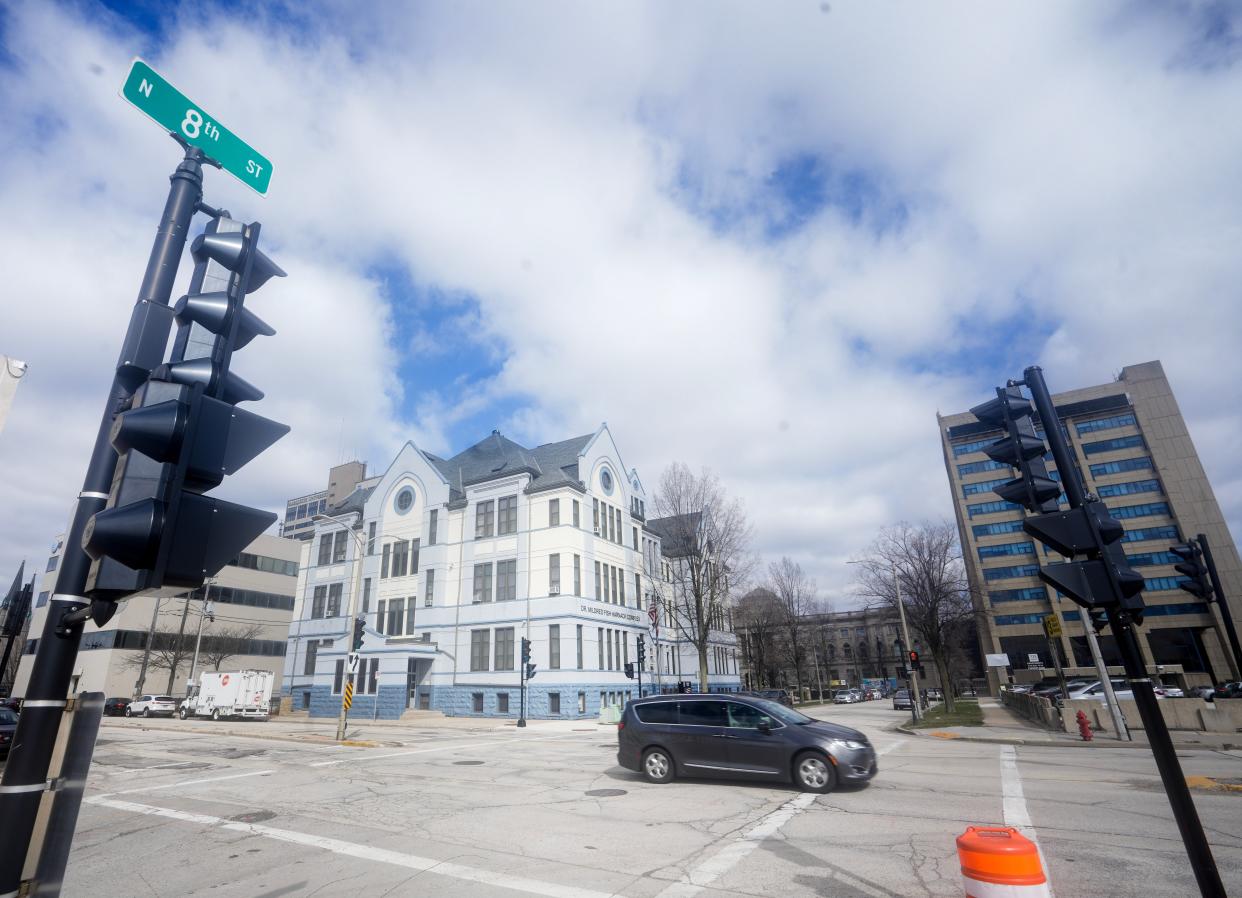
{"x":739,"y":736}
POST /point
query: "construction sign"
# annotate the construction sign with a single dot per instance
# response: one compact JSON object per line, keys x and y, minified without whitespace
{"x":349,"y":694}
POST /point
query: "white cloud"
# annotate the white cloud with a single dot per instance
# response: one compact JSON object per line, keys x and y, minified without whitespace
{"x":1050,"y":160}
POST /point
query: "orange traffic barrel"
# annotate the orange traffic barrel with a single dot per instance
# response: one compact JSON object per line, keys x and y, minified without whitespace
{"x":1000,"y":862}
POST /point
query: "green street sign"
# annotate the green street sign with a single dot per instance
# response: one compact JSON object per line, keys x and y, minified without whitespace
{"x":172,"y":110}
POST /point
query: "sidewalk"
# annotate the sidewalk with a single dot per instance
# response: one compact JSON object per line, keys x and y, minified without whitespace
{"x":1004,"y":727}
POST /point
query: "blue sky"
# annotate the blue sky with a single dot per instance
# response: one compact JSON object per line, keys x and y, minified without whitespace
{"x":772,"y":240}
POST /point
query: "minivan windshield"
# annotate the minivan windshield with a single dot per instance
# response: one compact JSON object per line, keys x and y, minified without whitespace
{"x":781,"y":713}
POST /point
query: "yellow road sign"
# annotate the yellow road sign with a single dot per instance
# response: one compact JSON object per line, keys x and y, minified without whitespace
{"x":1052,"y":626}
{"x":349,"y":695}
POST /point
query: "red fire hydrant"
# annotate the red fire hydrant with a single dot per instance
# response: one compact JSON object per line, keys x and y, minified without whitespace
{"x":1084,"y":727}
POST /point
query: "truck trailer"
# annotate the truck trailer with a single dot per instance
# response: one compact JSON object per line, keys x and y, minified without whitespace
{"x":244,"y":693}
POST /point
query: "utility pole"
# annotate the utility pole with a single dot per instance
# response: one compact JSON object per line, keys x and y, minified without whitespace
{"x":205,"y":611}
{"x":905,"y":634}
{"x":176,"y":656}
{"x":146,"y":651}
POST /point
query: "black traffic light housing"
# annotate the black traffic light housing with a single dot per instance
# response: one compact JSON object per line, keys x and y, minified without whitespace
{"x":1193,"y":568}
{"x":530,"y":670}
{"x":629,"y":669}
{"x":525,"y":650}
{"x":181,"y":435}
{"x":641,"y":653}
{"x":360,"y":626}
{"x":1020,"y":448}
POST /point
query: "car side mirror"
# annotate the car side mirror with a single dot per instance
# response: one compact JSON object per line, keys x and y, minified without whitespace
{"x":765,"y":726}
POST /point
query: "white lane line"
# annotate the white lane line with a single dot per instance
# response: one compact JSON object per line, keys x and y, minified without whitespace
{"x":210,"y":779}
{"x":891,"y":747}
{"x":364,"y":852}
{"x":728,"y":857}
{"x":1013,"y":804}
{"x":362,"y":756}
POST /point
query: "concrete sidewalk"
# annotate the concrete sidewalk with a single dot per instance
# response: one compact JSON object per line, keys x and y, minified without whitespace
{"x":1004,"y":727}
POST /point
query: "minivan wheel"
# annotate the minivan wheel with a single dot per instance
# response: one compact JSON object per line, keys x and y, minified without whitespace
{"x":813,"y":772}
{"x":657,"y":765}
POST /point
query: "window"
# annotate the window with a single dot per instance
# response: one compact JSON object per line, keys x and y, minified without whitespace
{"x":400,"y":558}
{"x":1146,"y":533}
{"x":381,"y":620}
{"x":577,"y":575}
{"x":504,"y":648}
{"x":1139,"y":511}
{"x":506,"y":581}
{"x":1009,"y":620}
{"x":1134,"y":442}
{"x":635,"y":539}
{"x":609,"y":635}
{"x":982,"y":486}
{"x":414,"y":556}
{"x":614,"y":525}
{"x":410,"y":605}
{"x":429,"y":592}
{"x":1154,"y":584}
{"x":613,"y":572}
{"x":579,"y":646}
{"x":1142,"y":463}
{"x":745,"y":717}
{"x":1004,"y":573}
{"x":1126,"y":489}
{"x":595,"y":514}
{"x":702,"y":713}
{"x":334,"y":600}
{"x":338,"y":546}
{"x":325,"y":549}
{"x":366,"y":595}
{"x":476,"y":700}
{"x":577,"y":513}
{"x":396,"y":611}
{"x":433,"y":521}
{"x":598,"y":594}
{"x":581,"y":702}
{"x":974,"y":445}
{"x":485,"y":519}
{"x":638,"y":590}
{"x":479,"y":645}
{"x":384,"y":562}
{"x":1184,"y":608}
{"x":1007,"y":549}
{"x":978,"y":467}
{"x":554,"y":647}
{"x":405,"y":500}
{"x":312,"y":652}
{"x":621,"y":583}
{"x":554,"y":703}
{"x":483,"y":582}
{"x":1150,"y":559}
{"x":371,"y":539}
{"x":599,"y":640}
{"x":338,"y":676}
{"x":506,"y":519}
{"x":317,"y":603}
{"x":372,"y":684}
{"x":554,"y":574}
{"x":998,"y":529}
{"x":554,"y":512}
{"x":990,"y":508}
{"x":502,"y":702}
{"x":1031,"y":593}
{"x":1087,"y":427}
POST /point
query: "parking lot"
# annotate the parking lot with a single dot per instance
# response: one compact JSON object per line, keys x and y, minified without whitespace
{"x":479,"y":808}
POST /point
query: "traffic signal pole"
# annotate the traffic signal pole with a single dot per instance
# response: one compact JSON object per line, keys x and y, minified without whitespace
{"x":1222,"y":603}
{"x":915,"y":711}
{"x":1120,"y":619}
{"x":26,"y":773}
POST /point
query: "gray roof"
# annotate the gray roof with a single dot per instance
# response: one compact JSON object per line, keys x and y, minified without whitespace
{"x":550,"y":466}
{"x":677,"y":533}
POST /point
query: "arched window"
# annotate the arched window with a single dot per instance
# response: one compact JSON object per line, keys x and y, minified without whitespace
{"x":848,"y":651}
{"x":862,"y":650}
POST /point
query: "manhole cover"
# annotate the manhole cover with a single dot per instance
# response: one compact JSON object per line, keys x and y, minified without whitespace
{"x":606,"y":793}
{"x":253,"y":817}
{"x":467,"y":763}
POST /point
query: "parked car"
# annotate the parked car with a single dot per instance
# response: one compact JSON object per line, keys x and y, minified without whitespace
{"x":13,"y":704}
{"x":1228,"y":690}
{"x":739,"y":737}
{"x":152,"y":706}
{"x":902,"y":700}
{"x":115,"y":707}
{"x":776,"y":695}
{"x":8,"y":725}
{"x":1121,"y":688}
{"x":844,"y":697}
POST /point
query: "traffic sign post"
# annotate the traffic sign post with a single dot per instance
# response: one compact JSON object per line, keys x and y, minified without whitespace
{"x":169,"y":108}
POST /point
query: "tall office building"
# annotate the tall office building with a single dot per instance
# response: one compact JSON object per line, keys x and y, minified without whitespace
{"x":1130,"y":442}
{"x":299,"y":520}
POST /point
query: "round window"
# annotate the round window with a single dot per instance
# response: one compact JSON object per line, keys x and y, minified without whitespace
{"x":605,"y":480}
{"x":405,"y":500}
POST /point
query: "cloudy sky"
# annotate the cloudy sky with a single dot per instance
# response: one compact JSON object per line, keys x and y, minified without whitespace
{"x":769,"y":238}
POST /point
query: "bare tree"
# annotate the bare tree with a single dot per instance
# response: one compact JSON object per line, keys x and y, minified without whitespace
{"x":927,"y":562}
{"x":796,"y":602}
{"x":170,"y":651}
{"x":756,"y":619}
{"x":706,"y":536}
{"x":227,"y":643}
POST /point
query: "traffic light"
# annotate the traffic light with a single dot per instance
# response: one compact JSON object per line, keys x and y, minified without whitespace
{"x":359,"y":626}
{"x":530,"y":670}
{"x":1020,"y":448}
{"x":182,"y":433}
{"x":914,"y":659}
{"x":642,"y":652}
{"x":525,"y":650}
{"x":629,"y":670}
{"x":1193,"y":568}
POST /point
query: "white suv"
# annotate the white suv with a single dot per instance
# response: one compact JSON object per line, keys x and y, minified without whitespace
{"x":152,"y":705}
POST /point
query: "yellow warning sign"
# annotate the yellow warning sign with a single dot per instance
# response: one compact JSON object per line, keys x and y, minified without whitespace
{"x":1052,"y":626}
{"x":349,"y":695}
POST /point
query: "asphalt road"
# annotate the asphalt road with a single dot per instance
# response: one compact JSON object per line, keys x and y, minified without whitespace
{"x":486,"y":810}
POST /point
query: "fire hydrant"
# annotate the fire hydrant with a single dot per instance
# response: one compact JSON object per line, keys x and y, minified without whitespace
{"x":1084,"y":727}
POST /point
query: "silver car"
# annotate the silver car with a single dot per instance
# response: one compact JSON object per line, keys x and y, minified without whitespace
{"x":152,"y":706}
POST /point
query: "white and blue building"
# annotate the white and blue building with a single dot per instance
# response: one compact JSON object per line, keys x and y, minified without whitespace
{"x":452,"y":562}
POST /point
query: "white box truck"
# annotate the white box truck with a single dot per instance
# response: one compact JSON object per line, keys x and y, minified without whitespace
{"x":244,"y":693}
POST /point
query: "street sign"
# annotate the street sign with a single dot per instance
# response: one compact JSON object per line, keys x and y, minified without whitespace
{"x":173,"y":111}
{"x":353,"y":662}
{"x":1052,"y":626}
{"x":349,"y":695}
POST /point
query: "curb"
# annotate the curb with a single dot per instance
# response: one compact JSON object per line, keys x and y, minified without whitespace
{"x":1058,"y":743}
{"x":308,"y":739}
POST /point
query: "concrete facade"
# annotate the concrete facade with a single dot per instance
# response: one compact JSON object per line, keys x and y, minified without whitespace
{"x":300,"y":511}
{"x":251,"y":602}
{"x":451,"y":562}
{"x":1133,"y":448}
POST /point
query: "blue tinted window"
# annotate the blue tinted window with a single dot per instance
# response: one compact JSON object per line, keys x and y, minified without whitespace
{"x":1139,"y":511}
{"x":1113,"y":445}
{"x":1128,"y":489}
{"x":997,"y":529}
{"x":1072,"y":615}
{"x":978,"y":467}
{"x":1147,"y":559}
{"x":1146,"y":533}
{"x":983,"y":486}
{"x":1155,"y":584}
{"x":1104,"y":423}
{"x":1031,"y":593}
{"x":1024,"y":548}
{"x":1183,"y":608}
{"x":974,"y":445}
{"x":42,"y":600}
{"x":1142,"y":463}
{"x":1009,"y":620}
{"x":990,"y":508}
{"x":1004,"y":573}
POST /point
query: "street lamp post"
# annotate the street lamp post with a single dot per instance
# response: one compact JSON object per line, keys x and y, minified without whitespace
{"x":205,"y":611}
{"x":905,"y":634}
{"x":343,"y":715}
